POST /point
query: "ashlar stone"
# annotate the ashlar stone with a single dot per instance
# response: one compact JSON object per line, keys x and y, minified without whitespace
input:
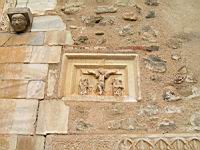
{"x":53,"y":117}
{"x":35,"y":89}
{"x":11,"y":112}
{"x":59,"y":38}
{"x":30,"y":143}
{"x":29,"y":38}
{"x":46,"y":54}
{"x":48,"y":23}
{"x":23,"y":71}
{"x":20,"y":54}
{"x":8,"y":142}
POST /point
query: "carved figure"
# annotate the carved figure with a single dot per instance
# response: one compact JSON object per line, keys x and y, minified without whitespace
{"x":84,"y":86}
{"x":20,"y":19}
{"x":117,"y":87}
{"x":101,"y":75}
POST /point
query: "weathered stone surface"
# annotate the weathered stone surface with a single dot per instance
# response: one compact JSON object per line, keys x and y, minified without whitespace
{"x":155,"y":64}
{"x":151,"y":14}
{"x":11,"y":112}
{"x":195,"y":119}
{"x":170,"y":94}
{"x":35,"y":90}
{"x":46,"y":54}
{"x":4,"y":38}
{"x":152,"y":2}
{"x":8,"y":142}
{"x":36,"y":6}
{"x":126,"y":30}
{"x":59,"y":38}
{"x":167,"y":125}
{"x":130,"y":17}
{"x":30,"y":143}
{"x":15,"y":54}
{"x":23,"y":71}
{"x":123,"y":142}
{"x":52,"y":80}
{"x":72,"y":8}
{"x":13,"y":88}
{"x":48,"y":23}
{"x":20,"y":19}
{"x":53,"y":117}
{"x":29,"y":38}
{"x":105,"y":9}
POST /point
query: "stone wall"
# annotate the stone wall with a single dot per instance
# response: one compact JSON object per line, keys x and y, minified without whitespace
{"x":159,"y":106}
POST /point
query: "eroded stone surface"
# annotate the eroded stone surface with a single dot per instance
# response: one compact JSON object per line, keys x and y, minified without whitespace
{"x":30,"y":143}
{"x":59,"y":38}
{"x":35,"y":90}
{"x":19,"y":54}
{"x":123,"y":142}
{"x":11,"y":112}
{"x":23,"y":71}
{"x":53,"y":117}
{"x":46,"y":54}
{"x":8,"y":142}
{"x":32,"y":38}
{"x":13,"y":88}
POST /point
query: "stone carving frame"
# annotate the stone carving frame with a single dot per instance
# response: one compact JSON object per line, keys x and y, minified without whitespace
{"x":72,"y":68}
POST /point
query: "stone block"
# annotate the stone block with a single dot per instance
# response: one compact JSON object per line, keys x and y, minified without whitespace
{"x":13,"y":88}
{"x":52,"y":81}
{"x":53,"y":117}
{"x":18,"y":116}
{"x":30,"y":143}
{"x":123,"y":142}
{"x":4,"y":38}
{"x":59,"y":38}
{"x":29,"y":38}
{"x":48,"y":23}
{"x":8,"y":142}
{"x":23,"y":71}
{"x":35,"y":90}
{"x":15,"y":54}
{"x":46,"y":54}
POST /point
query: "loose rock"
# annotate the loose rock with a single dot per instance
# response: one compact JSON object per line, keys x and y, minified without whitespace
{"x":195,"y":119}
{"x":105,"y":9}
{"x":149,"y":110}
{"x":175,"y":57}
{"x":101,"y":41}
{"x":155,"y":64}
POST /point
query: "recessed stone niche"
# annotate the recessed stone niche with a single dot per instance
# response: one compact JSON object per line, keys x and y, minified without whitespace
{"x":100,"y":77}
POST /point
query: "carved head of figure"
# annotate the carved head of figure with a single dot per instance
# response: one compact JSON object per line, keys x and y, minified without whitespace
{"x":20,"y":19}
{"x":19,"y":22}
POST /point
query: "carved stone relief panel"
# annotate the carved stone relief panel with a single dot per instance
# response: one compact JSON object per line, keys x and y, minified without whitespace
{"x":99,"y":77}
